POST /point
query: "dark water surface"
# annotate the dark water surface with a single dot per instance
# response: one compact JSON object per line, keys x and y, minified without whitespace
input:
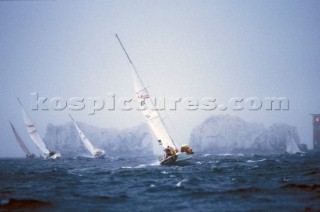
{"x":211,"y":182}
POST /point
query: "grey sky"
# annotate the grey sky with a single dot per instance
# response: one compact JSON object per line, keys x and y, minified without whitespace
{"x":221,"y":49}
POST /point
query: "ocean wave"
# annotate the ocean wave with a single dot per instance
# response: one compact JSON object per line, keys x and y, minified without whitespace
{"x":126,"y":167}
{"x":180,"y":183}
{"x":244,"y":190}
{"x":254,"y":161}
{"x":13,"y":203}
{"x":226,"y":154}
{"x":313,"y":187}
{"x":312,"y":172}
{"x":123,"y":185}
{"x":141,"y":166}
{"x":120,"y":197}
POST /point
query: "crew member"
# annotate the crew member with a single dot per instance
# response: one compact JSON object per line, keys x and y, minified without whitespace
{"x":189,"y":151}
{"x":185,"y":148}
{"x":169,"y":151}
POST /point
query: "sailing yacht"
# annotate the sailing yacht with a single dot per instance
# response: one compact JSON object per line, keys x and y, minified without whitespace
{"x":291,"y":146}
{"x":155,"y":121}
{"x":35,"y":137}
{"x":21,"y":143}
{"x":95,"y":152}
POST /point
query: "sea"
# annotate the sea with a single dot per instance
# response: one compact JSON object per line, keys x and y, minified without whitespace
{"x":209,"y":183}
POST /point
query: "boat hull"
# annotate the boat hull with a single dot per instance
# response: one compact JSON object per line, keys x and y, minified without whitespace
{"x":31,"y":156}
{"x":99,"y":153}
{"x":54,"y":156}
{"x":100,"y":156}
{"x":178,"y":159}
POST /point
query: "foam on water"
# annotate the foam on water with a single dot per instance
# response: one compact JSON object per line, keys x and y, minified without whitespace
{"x":180,"y":182}
{"x":254,"y":161}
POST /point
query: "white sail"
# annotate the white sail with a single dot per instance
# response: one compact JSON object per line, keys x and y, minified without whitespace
{"x":20,"y":142}
{"x":94,"y":151}
{"x":154,"y":119}
{"x":35,"y":137}
{"x":292,"y":146}
{"x":33,"y":133}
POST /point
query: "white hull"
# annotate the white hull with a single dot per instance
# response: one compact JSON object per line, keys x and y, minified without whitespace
{"x":54,"y":156}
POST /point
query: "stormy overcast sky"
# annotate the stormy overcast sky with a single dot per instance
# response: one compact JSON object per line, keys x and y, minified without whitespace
{"x":219,"y":49}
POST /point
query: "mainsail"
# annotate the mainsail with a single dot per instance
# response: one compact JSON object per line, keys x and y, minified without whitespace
{"x":20,"y":142}
{"x":292,"y":146}
{"x":154,"y":119}
{"x":33,"y":133}
{"x":94,"y":151}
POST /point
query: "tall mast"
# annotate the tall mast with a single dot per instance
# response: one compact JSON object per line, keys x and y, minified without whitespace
{"x":130,"y":61}
{"x":153,"y":117}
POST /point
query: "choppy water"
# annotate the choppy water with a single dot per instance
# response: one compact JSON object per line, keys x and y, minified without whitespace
{"x":212,"y":182}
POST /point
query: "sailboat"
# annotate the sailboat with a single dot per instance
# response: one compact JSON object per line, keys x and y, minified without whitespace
{"x":155,"y":121}
{"x":291,"y":146}
{"x":21,"y":143}
{"x":35,"y":137}
{"x":95,"y":152}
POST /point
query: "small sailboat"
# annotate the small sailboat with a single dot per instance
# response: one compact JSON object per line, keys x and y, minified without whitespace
{"x":35,"y":137}
{"x":155,"y":121}
{"x":95,"y":152}
{"x":21,"y":143}
{"x":291,"y":146}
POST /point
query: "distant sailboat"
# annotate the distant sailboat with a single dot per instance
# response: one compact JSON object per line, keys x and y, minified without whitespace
{"x":35,"y":137}
{"x":21,"y":143}
{"x":155,"y":121}
{"x":291,"y":146}
{"x":95,"y":152}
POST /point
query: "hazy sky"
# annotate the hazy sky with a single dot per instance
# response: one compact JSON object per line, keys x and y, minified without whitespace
{"x":220,"y":49}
